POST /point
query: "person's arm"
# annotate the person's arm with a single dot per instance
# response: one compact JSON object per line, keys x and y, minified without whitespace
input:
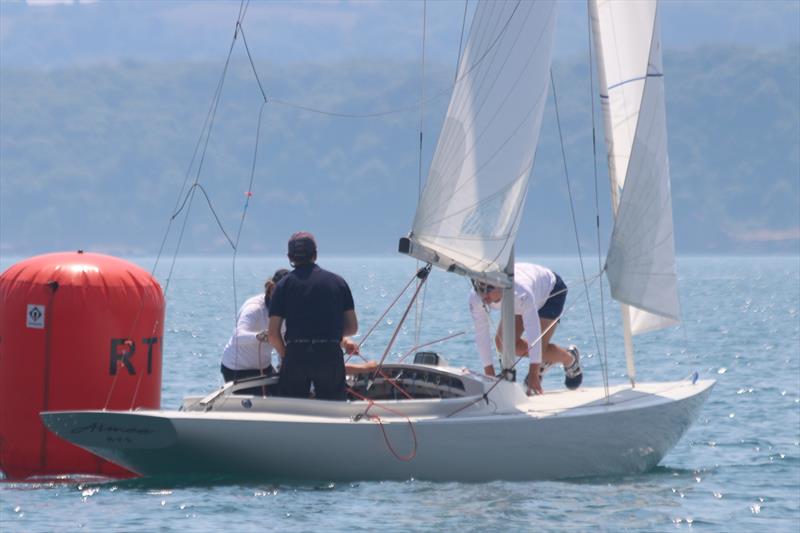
{"x":530,"y":321}
{"x":534,"y":383}
{"x":275,"y":336}
{"x":350,"y":346}
{"x":350,"y":323}
{"x":483,"y":341}
{"x":360,"y":368}
{"x":248,"y":327}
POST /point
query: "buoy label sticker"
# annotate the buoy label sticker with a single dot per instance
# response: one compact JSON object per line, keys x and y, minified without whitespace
{"x":35,"y":316}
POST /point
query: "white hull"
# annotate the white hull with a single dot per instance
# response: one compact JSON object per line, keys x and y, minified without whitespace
{"x":511,"y":437}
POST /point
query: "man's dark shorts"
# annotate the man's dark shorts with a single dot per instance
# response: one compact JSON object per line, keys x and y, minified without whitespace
{"x":319,"y":364}
{"x":554,"y":306}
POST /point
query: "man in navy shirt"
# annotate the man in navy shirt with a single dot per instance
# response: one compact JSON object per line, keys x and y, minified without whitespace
{"x":318,"y":309}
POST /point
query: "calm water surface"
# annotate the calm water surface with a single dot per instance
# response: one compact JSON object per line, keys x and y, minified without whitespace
{"x":737,"y":469}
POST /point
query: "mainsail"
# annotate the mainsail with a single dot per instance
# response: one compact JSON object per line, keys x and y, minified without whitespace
{"x":641,"y":261}
{"x":469,"y":212}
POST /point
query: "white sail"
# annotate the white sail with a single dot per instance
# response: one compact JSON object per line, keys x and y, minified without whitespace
{"x":641,"y":260}
{"x":470,"y":208}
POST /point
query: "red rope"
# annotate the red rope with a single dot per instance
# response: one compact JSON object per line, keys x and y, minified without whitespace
{"x":377,"y":419}
{"x":402,"y":292}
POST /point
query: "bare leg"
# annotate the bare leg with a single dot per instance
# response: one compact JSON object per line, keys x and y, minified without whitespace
{"x":551,"y":353}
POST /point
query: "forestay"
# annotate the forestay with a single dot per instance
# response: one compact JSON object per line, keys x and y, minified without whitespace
{"x":470,"y":208}
{"x":641,"y":260}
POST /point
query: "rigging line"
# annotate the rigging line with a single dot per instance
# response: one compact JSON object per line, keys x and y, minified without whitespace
{"x":539,"y":101}
{"x":242,"y":7}
{"x":423,"y":273}
{"x":370,"y":403}
{"x":461,"y":39}
{"x":206,"y":127}
{"x":252,"y":64}
{"x":450,"y":150}
{"x":403,"y":109}
{"x":421,"y":312}
{"x":366,"y":336}
{"x":572,"y":208}
{"x":337,"y":114}
{"x":190,"y":193}
{"x":417,"y":314}
{"x":604,"y":356}
{"x":386,"y":377}
{"x":445,"y":152}
{"x":244,"y":12}
{"x":207,"y":133}
{"x":239,"y":18}
{"x":519,"y":358}
{"x":194,"y":157}
{"x":484,"y":25}
{"x":417,"y":347}
{"x":248,"y":196}
{"x":478,"y":32}
{"x":449,"y":159}
{"x":421,"y":99}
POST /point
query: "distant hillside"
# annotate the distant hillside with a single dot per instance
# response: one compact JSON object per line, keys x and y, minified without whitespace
{"x":94,"y":157}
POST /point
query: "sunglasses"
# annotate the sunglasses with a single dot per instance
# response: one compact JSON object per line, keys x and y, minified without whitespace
{"x":482,"y":288}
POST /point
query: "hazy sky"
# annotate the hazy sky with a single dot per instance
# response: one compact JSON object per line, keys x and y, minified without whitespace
{"x":47,"y":33}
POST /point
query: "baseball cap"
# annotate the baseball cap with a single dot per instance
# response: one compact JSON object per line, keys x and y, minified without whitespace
{"x":302,"y":245}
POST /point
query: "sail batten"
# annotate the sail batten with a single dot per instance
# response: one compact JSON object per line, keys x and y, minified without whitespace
{"x":640,"y":264}
{"x":471,"y":204}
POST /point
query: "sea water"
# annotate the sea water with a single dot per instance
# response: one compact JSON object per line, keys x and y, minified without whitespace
{"x":736,"y":469}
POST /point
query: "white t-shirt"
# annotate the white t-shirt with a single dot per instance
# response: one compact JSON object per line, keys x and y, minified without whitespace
{"x":244,"y":351}
{"x":532,"y":287}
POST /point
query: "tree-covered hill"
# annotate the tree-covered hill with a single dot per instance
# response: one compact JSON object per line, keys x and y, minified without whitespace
{"x":94,"y":157}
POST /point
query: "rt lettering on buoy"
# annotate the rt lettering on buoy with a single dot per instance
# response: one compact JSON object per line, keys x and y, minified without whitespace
{"x":122,"y":351}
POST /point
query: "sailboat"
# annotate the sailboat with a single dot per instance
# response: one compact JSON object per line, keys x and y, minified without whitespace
{"x":427,"y":419}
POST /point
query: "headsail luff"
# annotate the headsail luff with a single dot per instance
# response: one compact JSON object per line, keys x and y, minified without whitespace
{"x":470,"y":209}
{"x":641,"y":260}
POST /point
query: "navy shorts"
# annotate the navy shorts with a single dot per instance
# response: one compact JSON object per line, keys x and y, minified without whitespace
{"x":555,"y":303}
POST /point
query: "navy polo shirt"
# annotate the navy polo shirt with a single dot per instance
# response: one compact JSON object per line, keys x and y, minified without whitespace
{"x":312,"y":301}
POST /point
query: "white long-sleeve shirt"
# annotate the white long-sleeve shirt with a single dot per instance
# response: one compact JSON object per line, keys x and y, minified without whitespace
{"x":532,"y":287}
{"x":244,"y":351}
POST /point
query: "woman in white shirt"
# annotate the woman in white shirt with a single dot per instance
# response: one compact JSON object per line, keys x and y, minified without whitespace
{"x":248,"y":352}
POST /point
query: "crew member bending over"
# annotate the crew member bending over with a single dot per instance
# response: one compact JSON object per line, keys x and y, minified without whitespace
{"x":539,"y":296}
{"x":317,"y":307}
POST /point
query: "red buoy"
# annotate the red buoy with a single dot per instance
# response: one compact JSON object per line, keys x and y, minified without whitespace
{"x":77,"y":331}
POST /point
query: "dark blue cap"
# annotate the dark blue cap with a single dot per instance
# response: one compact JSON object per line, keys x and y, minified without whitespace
{"x":302,"y":246}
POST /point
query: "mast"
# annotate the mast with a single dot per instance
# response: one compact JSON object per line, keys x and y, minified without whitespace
{"x":612,"y":176}
{"x":509,"y":322}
